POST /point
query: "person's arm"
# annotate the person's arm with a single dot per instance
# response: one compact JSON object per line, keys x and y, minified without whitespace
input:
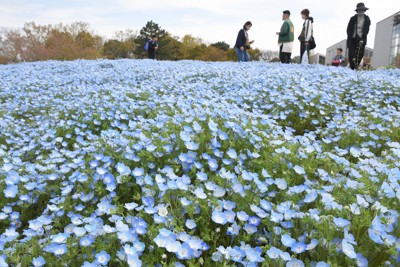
{"x":284,"y":29}
{"x":350,"y":28}
{"x":308,"y":34}
{"x":367,"y":24}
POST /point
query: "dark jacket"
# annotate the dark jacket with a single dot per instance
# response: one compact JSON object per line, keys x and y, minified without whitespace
{"x":286,"y":35}
{"x":152,"y":45}
{"x":351,"y":27}
{"x":241,"y":39}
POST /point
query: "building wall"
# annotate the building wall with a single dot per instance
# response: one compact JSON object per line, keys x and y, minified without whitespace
{"x":383,"y":40}
{"x":317,"y":59}
{"x":387,"y":41}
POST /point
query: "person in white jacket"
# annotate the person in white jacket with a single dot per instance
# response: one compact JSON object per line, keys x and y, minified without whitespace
{"x":306,"y":32}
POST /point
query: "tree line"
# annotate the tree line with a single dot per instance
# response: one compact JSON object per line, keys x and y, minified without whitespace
{"x":36,"y":42}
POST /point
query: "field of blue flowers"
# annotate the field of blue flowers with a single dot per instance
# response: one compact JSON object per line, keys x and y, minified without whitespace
{"x":146,"y":163}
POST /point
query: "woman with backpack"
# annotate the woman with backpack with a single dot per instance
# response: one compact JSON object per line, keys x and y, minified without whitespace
{"x":306,"y":33}
{"x":242,"y":43}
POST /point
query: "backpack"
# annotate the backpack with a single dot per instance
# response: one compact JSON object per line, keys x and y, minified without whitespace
{"x":146,"y":46}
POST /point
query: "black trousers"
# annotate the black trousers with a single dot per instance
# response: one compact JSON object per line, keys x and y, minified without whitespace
{"x":151,"y":54}
{"x":284,"y":57}
{"x":356,"y":51}
{"x":303,"y":48}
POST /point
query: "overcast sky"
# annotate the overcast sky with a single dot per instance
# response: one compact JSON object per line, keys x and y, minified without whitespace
{"x":211,"y":20}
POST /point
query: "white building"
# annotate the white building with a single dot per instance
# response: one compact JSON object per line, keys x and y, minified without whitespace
{"x":332,"y":50}
{"x":387,"y":41}
{"x":317,"y":59}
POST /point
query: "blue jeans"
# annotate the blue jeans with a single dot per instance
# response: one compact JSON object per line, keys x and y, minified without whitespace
{"x":242,"y":55}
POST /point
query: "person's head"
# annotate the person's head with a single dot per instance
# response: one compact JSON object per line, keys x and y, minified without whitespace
{"x":247,"y":25}
{"x":361,"y":8}
{"x":286,"y":14}
{"x":305,"y":13}
{"x":339,"y":51}
{"x":154,"y":38}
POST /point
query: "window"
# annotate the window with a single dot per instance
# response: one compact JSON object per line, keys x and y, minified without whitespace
{"x":395,"y":46}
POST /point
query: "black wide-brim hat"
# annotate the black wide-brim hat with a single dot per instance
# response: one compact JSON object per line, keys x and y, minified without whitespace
{"x":361,"y":6}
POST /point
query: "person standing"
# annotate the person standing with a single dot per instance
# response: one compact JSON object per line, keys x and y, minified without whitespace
{"x":153,"y":47}
{"x":357,"y":31}
{"x":242,"y":43}
{"x":286,"y":38}
{"x":306,"y":33}
{"x":339,"y":59}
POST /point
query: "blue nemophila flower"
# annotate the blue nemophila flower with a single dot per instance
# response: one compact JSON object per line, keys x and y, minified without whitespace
{"x":254,"y":220}
{"x":138,"y":172}
{"x":185,"y":252}
{"x":310,"y":197}
{"x":86,"y":241}
{"x":250,"y":228}
{"x":322,"y":264}
{"x":102,"y":258}
{"x":281,"y":183}
{"x":295,"y":263}
{"x":37,"y":262}
{"x":361,"y":261}
{"x":276,"y":217}
{"x":3,"y":261}
{"x":387,"y":190}
{"x":122,"y":169}
{"x":213,"y":164}
{"x":236,"y":254}
{"x":375,"y":235}
{"x":217,"y":256}
{"x":266,"y":205}
{"x":233,"y":229}
{"x":298,"y":247}
{"x":313,"y":244}
{"x":191,"y":224}
{"x":10,"y":234}
{"x":60,"y":238}
{"x":11,"y":191}
{"x":201,"y":176}
{"x":134,"y":261}
{"x":348,"y":249}
{"x":254,"y":255}
{"x":362,"y":202}
{"x":199,"y":192}
{"x":56,"y":249}
{"x":101,"y":171}
{"x":213,"y":126}
{"x":173,"y":246}
{"x":230,"y":215}
{"x":287,"y":240}
{"x":340,"y":222}
{"x":131,"y":206}
{"x":242,"y":216}
{"x":197,"y":127}
{"x":232,"y":153}
{"x":274,"y":253}
{"x":299,"y":170}
{"x":219,"y":217}
{"x":192,"y":145}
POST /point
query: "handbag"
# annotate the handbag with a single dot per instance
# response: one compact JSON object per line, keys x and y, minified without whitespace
{"x":312,"y":43}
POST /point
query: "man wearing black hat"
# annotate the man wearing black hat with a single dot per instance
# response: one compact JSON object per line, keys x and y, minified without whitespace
{"x":357,"y":31}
